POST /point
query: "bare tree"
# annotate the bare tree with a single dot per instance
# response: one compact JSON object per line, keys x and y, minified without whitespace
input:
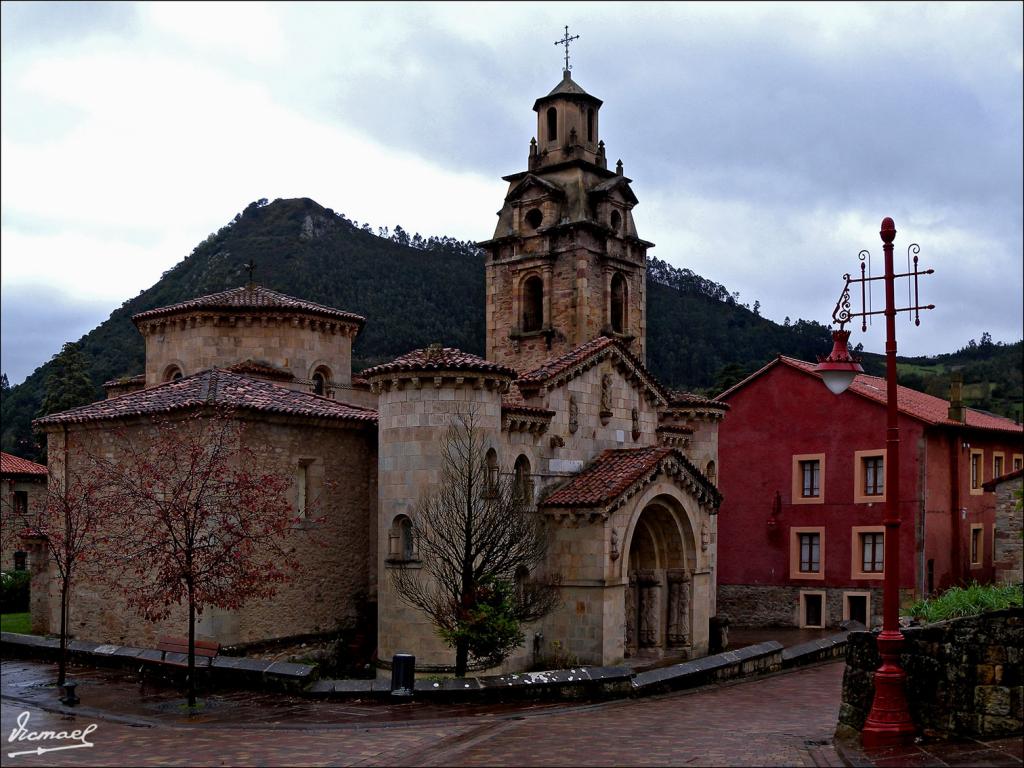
{"x":479,"y":537}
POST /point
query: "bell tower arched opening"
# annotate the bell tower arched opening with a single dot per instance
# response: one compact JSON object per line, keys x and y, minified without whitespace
{"x":619,"y":303}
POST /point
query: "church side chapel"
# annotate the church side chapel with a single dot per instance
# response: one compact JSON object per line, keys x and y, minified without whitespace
{"x":622,"y":469}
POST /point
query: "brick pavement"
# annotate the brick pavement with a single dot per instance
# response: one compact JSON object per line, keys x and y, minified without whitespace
{"x":785,"y":719}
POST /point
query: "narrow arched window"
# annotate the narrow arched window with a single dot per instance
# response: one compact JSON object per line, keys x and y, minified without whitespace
{"x":533,"y":304}
{"x":711,"y":473}
{"x":405,"y":533}
{"x":401,"y":540}
{"x":491,"y":488}
{"x":173,"y":373}
{"x":590,"y":125}
{"x":523,"y":489}
{"x":321,"y":381}
{"x":618,"y":303}
{"x":552,"y":124}
{"x":616,"y":221}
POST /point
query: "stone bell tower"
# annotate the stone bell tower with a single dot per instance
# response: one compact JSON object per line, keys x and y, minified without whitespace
{"x":565,"y":264}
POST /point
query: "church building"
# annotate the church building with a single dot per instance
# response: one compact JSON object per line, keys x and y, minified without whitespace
{"x":622,"y":469}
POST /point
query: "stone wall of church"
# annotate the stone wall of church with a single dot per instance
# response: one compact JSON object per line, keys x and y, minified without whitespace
{"x":287,"y":343}
{"x":412,"y":426}
{"x":577,"y":300}
{"x":332,"y":546}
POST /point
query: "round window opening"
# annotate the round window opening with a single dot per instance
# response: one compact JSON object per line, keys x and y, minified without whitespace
{"x":534,"y":218}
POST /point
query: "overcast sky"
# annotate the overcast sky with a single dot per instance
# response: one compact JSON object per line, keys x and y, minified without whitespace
{"x":766,"y":142}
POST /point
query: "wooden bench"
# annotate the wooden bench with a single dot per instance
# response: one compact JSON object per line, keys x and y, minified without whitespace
{"x":205,"y":650}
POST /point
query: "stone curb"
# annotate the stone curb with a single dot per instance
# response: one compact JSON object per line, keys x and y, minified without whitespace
{"x":813,"y":651}
{"x":565,"y":684}
{"x":225,"y":670}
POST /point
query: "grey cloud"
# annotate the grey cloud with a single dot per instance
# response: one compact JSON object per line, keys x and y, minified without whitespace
{"x":37,"y":320}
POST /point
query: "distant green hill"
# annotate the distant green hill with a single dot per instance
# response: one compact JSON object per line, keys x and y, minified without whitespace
{"x":993,"y":374}
{"x":415,"y":291}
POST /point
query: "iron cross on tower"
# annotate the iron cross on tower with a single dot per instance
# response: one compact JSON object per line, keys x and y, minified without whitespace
{"x":565,"y":41}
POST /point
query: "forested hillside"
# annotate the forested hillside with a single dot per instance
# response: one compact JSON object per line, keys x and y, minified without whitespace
{"x":415,"y":291}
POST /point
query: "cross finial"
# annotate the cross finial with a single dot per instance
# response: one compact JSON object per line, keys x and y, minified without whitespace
{"x":251,"y":266}
{"x":565,"y":41}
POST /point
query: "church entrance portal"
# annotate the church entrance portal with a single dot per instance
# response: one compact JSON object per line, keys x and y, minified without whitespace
{"x":659,"y":594}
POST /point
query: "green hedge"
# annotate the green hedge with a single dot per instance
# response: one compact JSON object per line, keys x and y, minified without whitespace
{"x":14,"y":591}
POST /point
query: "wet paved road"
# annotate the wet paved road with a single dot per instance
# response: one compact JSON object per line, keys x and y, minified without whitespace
{"x":778,"y":720}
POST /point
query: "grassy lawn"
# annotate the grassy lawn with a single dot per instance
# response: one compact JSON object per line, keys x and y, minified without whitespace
{"x":16,"y":622}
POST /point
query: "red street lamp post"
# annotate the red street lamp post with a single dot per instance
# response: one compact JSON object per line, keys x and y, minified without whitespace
{"x":889,"y":721}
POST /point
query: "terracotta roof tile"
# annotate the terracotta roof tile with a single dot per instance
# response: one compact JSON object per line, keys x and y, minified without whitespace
{"x":212,"y":387}
{"x":513,"y":401}
{"x":125,"y":381}
{"x":15,"y":465}
{"x":266,"y":370}
{"x":438,"y":358}
{"x":614,"y":471}
{"x":556,"y":365}
{"x":927,"y":408}
{"x":254,"y":298}
{"x":563,"y":365}
{"x":1007,"y":477}
{"x":689,"y":400}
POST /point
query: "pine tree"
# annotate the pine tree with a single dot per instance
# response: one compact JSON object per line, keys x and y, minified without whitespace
{"x":68,"y":384}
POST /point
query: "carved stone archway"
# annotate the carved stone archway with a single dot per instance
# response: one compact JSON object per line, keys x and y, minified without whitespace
{"x":659,"y":595}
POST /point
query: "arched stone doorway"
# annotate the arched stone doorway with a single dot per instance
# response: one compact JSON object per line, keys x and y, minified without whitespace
{"x":659,"y":594}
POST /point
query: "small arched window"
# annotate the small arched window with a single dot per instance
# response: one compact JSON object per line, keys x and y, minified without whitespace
{"x":590,"y":125}
{"x":321,"y":381}
{"x":616,"y":221}
{"x":534,"y":218}
{"x":533,"y":304}
{"x":523,"y":488}
{"x":552,"y":124}
{"x":401,"y":540}
{"x":619,"y":303}
{"x":173,"y":373}
{"x":711,"y":473}
{"x":491,"y":461}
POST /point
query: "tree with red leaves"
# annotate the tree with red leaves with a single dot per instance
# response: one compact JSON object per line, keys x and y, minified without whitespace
{"x":70,"y":527}
{"x":202,"y":524}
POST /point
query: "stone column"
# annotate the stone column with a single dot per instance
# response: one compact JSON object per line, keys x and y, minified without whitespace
{"x":631,"y":628}
{"x":650,"y":609}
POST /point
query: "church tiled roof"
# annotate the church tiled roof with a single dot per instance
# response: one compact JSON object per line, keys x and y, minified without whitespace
{"x":212,"y":387}
{"x":617,"y":470}
{"x":910,"y":402}
{"x":585,"y":356}
{"x":438,"y":358}
{"x":551,"y":369}
{"x":15,"y":465}
{"x":254,"y":298}
{"x":514,"y":402}
{"x":125,"y":381}
{"x":568,"y":87}
{"x":679,"y":399}
{"x":266,"y":370}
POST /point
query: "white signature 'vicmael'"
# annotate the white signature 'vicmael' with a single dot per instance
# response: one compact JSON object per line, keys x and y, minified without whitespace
{"x":22,"y":733}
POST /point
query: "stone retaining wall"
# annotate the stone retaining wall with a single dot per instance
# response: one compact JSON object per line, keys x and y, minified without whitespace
{"x":963,"y":676}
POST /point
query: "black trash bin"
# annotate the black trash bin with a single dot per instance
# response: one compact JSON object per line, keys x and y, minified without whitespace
{"x":403,"y":674}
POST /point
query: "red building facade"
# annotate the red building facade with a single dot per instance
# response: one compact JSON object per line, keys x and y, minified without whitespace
{"x":800,"y":534}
